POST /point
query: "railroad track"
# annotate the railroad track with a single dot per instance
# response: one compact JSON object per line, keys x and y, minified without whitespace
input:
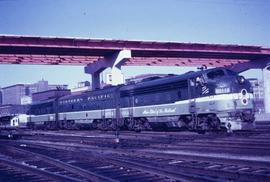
{"x":99,"y":166}
{"x":207,"y":168}
{"x":44,"y":167}
{"x":256,"y":144}
{"x":139,"y":157}
{"x":241,"y":141}
{"x":263,"y":125}
{"x":12,"y":171}
{"x":97,"y":137}
{"x":211,"y":167}
{"x":154,"y":165}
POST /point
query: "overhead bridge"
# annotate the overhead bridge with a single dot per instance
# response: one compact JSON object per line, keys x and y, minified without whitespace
{"x":79,"y":51}
{"x":99,"y":54}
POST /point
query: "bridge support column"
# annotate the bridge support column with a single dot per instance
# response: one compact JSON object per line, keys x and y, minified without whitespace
{"x":114,"y":61}
{"x":266,"y":86}
{"x":96,"y":79}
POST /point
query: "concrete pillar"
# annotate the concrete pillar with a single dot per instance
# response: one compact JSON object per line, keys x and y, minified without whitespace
{"x":266,"y":83}
{"x":95,"y":80}
{"x":114,"y":61}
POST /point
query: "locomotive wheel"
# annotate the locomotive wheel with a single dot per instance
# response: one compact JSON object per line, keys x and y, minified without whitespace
{"x":94,"y":125}
{"x":69,"y":124}
{"x":130,"y":123}
{"x":182,"y":124}
{"x":114,"y":124}
{"x":105,"y":125}
{"x":147,"y":126}
{"x":214,"y":122}
{"x":204,"y":124}
{"x":141,"y":124}
{"x":136,"y":124}
{"x":208,"y":123}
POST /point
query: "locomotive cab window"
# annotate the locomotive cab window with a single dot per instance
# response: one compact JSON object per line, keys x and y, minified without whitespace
{"x":231,"y":73}
{"x":215,"y":74}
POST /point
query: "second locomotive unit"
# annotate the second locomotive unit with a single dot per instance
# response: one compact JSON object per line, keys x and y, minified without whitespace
{"x":210,"y":99}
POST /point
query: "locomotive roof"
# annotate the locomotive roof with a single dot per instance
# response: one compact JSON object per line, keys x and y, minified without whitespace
{"x":171,"y":79}
{"x":162,"y":80}
{"x":93,"y":92}
{"x":44,"y":101}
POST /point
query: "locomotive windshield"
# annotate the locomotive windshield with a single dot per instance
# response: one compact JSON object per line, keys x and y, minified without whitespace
{"x":215,"y":74}
{"x":231,"y":73}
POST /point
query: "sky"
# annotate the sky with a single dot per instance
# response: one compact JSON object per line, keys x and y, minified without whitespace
{"x":242,"y":22}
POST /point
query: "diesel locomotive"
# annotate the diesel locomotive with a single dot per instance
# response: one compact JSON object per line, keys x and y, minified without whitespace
{"x":211,"y":99}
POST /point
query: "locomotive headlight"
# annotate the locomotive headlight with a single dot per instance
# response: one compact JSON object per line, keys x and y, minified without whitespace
{"x":241,"y":79}
{"x":223,"y":90}
{"x":244,"y":91}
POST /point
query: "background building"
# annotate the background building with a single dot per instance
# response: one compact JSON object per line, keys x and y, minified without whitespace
{"x":258,"y":92}
{"x":21,"y":93}
{"x":13,"y":94}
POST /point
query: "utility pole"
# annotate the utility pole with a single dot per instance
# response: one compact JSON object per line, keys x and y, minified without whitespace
{"x":56,"y":124}
{"x":117,"y":119}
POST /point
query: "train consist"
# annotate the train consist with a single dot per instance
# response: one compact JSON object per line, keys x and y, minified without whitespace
{"x":212,"y":99}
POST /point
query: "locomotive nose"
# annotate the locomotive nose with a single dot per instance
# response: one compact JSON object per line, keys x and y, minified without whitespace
{"x":244,"y":96}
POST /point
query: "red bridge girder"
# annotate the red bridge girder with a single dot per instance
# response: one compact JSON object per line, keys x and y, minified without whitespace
{"x":79,"y":51}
